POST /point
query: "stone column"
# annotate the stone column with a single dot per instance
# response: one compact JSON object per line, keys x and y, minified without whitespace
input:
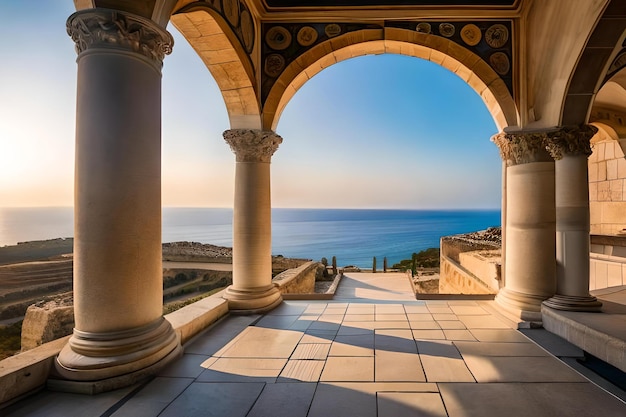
{"x":570,"y":149}
{"x":120,"y":334}
{"x":252,"y":290}
{"x":530,"y":224}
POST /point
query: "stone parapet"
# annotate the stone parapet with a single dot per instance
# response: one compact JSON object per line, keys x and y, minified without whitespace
{"x":299,"y":280}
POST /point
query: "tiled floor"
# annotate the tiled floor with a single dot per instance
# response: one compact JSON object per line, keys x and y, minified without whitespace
{"x":372,"y":351}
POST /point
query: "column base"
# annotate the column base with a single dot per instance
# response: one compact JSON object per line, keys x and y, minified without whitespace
{"x":98,"y":362}
{"x":252,"y":301}
{"x":573,"y":303}
{"x":522,"y":306}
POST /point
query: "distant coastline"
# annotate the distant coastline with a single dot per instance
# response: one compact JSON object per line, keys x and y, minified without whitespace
{"x":353,"y":236}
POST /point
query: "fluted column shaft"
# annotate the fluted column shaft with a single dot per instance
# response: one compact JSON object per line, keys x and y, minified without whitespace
{"x":530,"y":224}
{"x":252,"y":290}
{"x":570,"y":150}
{"x":117,"y":209}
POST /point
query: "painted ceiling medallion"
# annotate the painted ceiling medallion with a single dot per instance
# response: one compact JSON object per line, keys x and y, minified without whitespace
{"x":471,"y":34}
{"x":278,"y":38}
{"x":306,"y":36}
{"x":231,"y":11}
{"x":496,"y":36}
{"x":446,"y":29}
{"x":500,"y":63}
{"x":332,"y":30}
{"x":274,"y":65}
{"x":423,"y":27}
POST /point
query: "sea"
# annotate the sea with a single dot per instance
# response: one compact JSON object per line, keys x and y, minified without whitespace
{"x":353,"y":236}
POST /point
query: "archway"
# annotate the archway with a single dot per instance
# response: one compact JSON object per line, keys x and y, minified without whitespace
{"x":461,"y":61}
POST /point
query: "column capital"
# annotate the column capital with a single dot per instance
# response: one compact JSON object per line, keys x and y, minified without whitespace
{"x":571,"y":140}
{"x":252,"y":145}
{"x":113,"y":29}
{"x":518,"y":148}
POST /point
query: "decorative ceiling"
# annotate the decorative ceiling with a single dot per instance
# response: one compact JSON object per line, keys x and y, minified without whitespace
{"x":389,"y":3}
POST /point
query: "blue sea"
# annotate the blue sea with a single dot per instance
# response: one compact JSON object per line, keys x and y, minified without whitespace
{"x":353,"y":236}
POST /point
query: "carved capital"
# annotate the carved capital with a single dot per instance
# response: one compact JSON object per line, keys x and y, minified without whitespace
{"x":250,"y":145}
{"x":574,"y":140}
{"x":522,"y":147}
{"x":112,"y":29}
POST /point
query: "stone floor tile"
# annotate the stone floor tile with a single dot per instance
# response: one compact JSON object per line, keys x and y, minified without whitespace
{"x":302,"y":370}
{"x":316,"y":338}
{"x":500,"y":349}
{"x":436,"y":303}
{"x":465,"y":302}
{"x":389,"y":309}
{"x":416,"y":309}
{"x":499,"y":335}
{"x":302,"y":323}
{"x":534,"y":399}
{"x":288,"y":308}
{"x":284,"y":400}
{"x":202,"y":399}
{"x":363,"y":325}
{"x":420,"y":316}
{"x":454,"y":334}
{"x":465,"y":310}
{"x":311,"y":351}
{"x":442,"y":362}
{"x":219,"y":334}
{"x":398,"y":366}
{"x":276,"y":322}
{"x":441,"y":317}
{"x":374,"y":387}
{"x":325,"y":334}
{"x":340,"y":368}
{"x":314,"y":308}
{"x":520,"y":369}
{"x":243,"y":370}
{"x":483,"y":322}
{"x":391,"y":325}
{"x":332,"y":400}
{"x":451,"y":325}
{"x":324,"y":325}
{"x":60,"y":404}
{"x":188,"y":366}
{"x":154,"y":397}
{"x":360,"y":309}
{"x":356,"y":345}
{"x":429,"y":334}
{"x":410,"y":404}
{"x":258,"y":342}
{"x":390,"y":317}
{"x":358,"y":317}
{"x":440,"y":310}
{"x":334,"y":311}
{"x":395,"y":340}
{"x":331,"y":318}
{"x":424,"y":325}
{"x":355,"y":328}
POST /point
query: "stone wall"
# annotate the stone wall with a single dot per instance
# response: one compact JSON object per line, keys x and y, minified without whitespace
{"x":607,"y":262}
{"x":607,"y":187}
{"x":46,"y":321}
{"x":299,"y":280}
{"x":470,"y":263}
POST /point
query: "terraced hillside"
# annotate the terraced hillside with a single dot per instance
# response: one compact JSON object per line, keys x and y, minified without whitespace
{"x":25,"y":283}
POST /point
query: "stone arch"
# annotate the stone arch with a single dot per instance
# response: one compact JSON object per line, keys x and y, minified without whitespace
{"x":217,"y":45}
{"x":603,"y":59}
{"x":464,"y":63}
{"x":609,"y":106}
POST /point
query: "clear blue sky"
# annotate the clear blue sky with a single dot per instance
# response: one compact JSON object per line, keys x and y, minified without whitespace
{"x":383,"y":131}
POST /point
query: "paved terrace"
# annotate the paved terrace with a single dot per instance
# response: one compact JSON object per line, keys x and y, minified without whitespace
{"x":372,"y":351}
